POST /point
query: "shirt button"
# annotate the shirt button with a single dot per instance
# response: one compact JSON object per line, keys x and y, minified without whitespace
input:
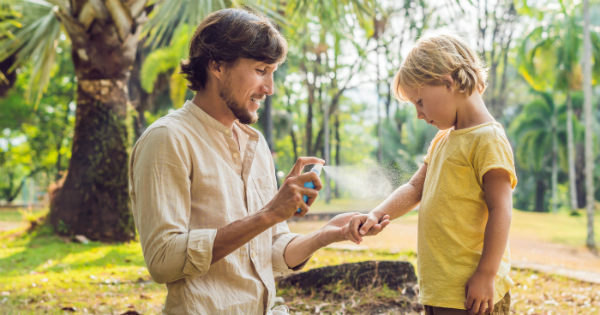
{"x":235,"y":155}
{"x":254,"y":255}
{"x":227,"y":131}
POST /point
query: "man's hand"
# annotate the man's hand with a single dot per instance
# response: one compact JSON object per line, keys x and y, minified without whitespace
{"x":333,"y":231}
{"x":288,"y":199}
{"x":479,"y":292}
{"x":365,"y":225}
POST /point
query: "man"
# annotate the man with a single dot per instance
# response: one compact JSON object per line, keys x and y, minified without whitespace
{"x":204,"y":197}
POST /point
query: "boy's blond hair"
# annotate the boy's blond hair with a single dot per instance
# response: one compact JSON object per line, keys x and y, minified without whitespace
{"x":435,"y":56}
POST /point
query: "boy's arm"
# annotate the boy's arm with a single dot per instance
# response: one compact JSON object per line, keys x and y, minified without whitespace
{"x":399,"y":203}
{"x":479,"y":288}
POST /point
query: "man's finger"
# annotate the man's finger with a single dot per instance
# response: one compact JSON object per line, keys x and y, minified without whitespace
{"x":303,"y":161}
{"x":310,"y":200}
{"x":303,"y":210}
{"x":347,"y":231}
{"x":354,"y":226}
{"x":309,"y":177}
{"x":305,"y":191}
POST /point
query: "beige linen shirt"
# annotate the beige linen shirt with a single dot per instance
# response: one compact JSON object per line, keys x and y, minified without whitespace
{"x":187,"y":179}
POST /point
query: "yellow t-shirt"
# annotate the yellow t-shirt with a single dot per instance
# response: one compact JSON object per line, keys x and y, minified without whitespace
{"x":453,"y":213}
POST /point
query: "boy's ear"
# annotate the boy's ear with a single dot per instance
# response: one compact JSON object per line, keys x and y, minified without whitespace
{"x":448,"y":81}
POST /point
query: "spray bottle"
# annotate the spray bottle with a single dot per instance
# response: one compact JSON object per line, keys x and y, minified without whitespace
{"x":317,"y":169}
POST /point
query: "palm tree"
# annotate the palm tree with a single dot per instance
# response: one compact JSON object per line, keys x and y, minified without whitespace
{"x":537,"y":135}
{"x":104,"y":35}
{"x":589,"y":127}
{"x":549,"y":61}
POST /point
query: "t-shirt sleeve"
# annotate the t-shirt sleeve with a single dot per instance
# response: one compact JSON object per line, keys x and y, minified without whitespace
{"x":494,"y":151}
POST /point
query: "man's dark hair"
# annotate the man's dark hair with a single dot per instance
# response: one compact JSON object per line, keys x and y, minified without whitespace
{"x":228,"y":35}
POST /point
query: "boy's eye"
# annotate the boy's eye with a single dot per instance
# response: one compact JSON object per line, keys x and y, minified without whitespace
{"x":420,"y":103}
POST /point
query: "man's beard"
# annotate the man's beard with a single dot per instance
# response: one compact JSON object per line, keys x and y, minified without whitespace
{"x":239,"y":111}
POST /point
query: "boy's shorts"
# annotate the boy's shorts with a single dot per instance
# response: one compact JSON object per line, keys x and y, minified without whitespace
{"x":501,"y":308}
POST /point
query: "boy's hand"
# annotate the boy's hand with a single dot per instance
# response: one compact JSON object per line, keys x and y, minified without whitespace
{"x":479,"y":292}
{"x":365,"y":225}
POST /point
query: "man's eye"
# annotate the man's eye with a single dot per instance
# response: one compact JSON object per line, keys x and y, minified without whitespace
{"x":261,"y":71}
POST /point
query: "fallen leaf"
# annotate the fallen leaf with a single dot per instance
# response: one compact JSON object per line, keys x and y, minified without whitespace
{"x":144,"y":297}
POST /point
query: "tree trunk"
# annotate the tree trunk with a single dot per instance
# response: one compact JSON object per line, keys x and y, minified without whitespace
{"x":327,"y":152}
{"x":580,"y":175}
{"x":540,"y":191}
{"x":379,"y":118}
{"x":571,"y":154}
{"x":589,"y":125}
{"x":309,"y":131}
{"x":140,"y":99}
{"x":554,"y":161}
{"x":268,"y":121}
{"x":94,"y":200}
{"x":338,"y":145}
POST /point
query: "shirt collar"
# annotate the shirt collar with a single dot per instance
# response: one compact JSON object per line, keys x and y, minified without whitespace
{"x":215,"y":124}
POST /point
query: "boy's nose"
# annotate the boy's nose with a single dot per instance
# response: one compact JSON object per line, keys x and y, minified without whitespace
{"x":420,"y":115}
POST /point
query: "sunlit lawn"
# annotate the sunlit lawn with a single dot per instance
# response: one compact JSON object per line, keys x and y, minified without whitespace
{"x":41,"y":274}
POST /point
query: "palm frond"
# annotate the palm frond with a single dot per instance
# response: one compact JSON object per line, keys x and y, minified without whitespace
{"x":171,"y":15}
{"x":36,"y":42}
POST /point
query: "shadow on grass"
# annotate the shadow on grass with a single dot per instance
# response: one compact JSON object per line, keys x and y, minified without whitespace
{"x":43,"y":251}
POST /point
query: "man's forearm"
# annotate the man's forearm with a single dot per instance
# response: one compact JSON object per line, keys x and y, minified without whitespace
{"x":238,"y":233}
{"x":300,"y":248}
{"x":495,"y":240}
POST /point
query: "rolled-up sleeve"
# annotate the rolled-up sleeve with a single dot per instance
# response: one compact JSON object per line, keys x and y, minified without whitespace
{"x":281,"y":238}
{"x":160,"y":194}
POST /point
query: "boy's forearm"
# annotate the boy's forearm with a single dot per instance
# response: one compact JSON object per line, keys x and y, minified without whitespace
{"x":400,"y":202}
{"x":405,"y":198}
{"x":495,"y":241}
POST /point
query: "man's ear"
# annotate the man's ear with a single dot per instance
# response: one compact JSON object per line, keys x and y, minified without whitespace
{"x":216,"y":68}
{"x":448,"y":82}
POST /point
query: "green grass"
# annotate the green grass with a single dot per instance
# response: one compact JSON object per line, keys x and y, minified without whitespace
{"x":559,"y":228}
{"x":17,"y":215}
{"x":41,"y":274}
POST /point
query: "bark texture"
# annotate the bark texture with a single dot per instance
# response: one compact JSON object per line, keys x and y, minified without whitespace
{"x":94,"y":201}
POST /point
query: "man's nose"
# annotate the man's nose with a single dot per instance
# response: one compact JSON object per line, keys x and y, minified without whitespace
{"x":267,"y":86}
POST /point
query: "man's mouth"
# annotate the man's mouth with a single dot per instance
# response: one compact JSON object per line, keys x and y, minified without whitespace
{"x":256,"y":99}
